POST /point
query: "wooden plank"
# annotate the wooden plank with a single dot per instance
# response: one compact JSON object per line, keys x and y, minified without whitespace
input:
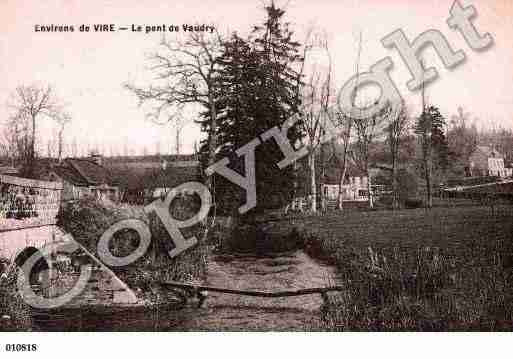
{"x":287,"y":293}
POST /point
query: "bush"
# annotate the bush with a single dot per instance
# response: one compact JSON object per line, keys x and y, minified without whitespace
{"x":15,"y":314}
{"x":259,"y":239}
{"x":412,"y":203}
{"x":422,"y":289}
{"x":87,"y":220}
{"x":407,"y":184}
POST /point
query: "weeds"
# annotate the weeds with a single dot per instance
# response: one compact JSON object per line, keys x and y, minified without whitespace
{"x":14,"y":312}
{"x":463,"y":285}
{"x":87,"y":220}
{"x":258,"y":239}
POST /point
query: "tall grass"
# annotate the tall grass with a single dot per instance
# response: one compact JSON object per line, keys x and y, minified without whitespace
{"x":14,"y":312}
{"x":400,"y":282}
{"x":88,"y":219}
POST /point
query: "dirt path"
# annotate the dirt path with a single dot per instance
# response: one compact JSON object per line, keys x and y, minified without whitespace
{"x":233,"y":312}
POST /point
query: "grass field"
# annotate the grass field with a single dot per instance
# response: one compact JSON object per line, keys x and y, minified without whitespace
{"x":443,"y":269}
{"x":443,"y":227}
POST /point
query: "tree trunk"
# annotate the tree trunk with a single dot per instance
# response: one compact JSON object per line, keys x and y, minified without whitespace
{"x":429,"y":195}
{"x":33,"y":143}
{"x":32,"y":153}
{"x":177,"y":140}
{"x":395,"y":187}
{"x":341,"y":183}
{"x":60,"y":145}
{"x":322,"y":177}
{"x":369,"y":188}
{"x":313,"y":184}
{"x":212,"y":143}
{"x":212,"y":146}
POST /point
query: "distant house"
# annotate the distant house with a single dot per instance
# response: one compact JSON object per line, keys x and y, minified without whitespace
{"x":172,"y":177}
{"x":354,"y":188}
{"x":486,"y":161}
{"x":355,"y":184}
{"x":144,"y":178}
{"x":84,"y":177}
{"x":150,"y":161}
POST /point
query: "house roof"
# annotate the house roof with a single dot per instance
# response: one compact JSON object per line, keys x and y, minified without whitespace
{"x":69,"y":175}
{"x":489,"y":152}
{"x":83,"y":172}
{"x":91,"y":172}
{"x":175,"y":176}
{"x":149,"y":178}
{"x":332,"y":173}
{"x":130,"y":178}
{"x":180,"y":160}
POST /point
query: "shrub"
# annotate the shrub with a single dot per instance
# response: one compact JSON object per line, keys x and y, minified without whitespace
{"x":422,"y":289}
{"x":259,"y":239}
{"x":15,"y":314}
{"x":87,"y":220}
{"x":413,"y":203}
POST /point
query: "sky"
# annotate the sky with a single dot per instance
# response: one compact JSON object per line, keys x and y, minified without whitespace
{"x":88,"y":69}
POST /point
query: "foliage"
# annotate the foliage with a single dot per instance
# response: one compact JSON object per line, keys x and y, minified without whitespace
{"x":257,"y":91}
{"x":434,"y":149}
{"x":396,"y":130}
{"x":258,"y":239}
{"x":462,"y":140}
{"x":29,"y":105}
{"x":87,"y":220}
{"x":502,"y":140}
{"x":430,"y":129}
{"x":446,"y":269}
{"x":14,"y":312}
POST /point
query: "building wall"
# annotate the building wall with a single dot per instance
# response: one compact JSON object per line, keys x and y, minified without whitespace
{"x":355,"y":190}
{"x":15,"y":241}
{"x":496,"y":167}
{"x":483,"y":165}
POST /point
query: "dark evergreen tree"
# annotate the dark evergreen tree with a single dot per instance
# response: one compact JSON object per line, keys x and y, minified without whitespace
{"x":258,"y":90}
{"x":439,"y":142}
{"x":430,"y":131}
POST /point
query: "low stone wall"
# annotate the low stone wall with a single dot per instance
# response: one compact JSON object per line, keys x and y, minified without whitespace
{"x":13,"y":242}
{"x":103,"y":288}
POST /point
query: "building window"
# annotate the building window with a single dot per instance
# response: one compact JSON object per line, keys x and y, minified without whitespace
{"x":363,"y":193}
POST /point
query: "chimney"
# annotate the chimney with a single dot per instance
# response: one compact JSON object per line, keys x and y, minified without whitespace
{"x":97,"y":158}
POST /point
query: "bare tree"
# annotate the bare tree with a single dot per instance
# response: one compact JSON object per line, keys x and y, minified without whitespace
{"x":184,"y":72}
{"x":178,"y":126}
{"x":398,"y":124}
{"x":314,"y":115}
{"x":74,"y":148}
{"x":315,"y":105}
{"x":29,"y":105}
{"x":14,"y":141}
{"x":62,"y":121}
{"x":346,"y":124}
{"x":49,"y":148}
{"x":367,"y":131}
